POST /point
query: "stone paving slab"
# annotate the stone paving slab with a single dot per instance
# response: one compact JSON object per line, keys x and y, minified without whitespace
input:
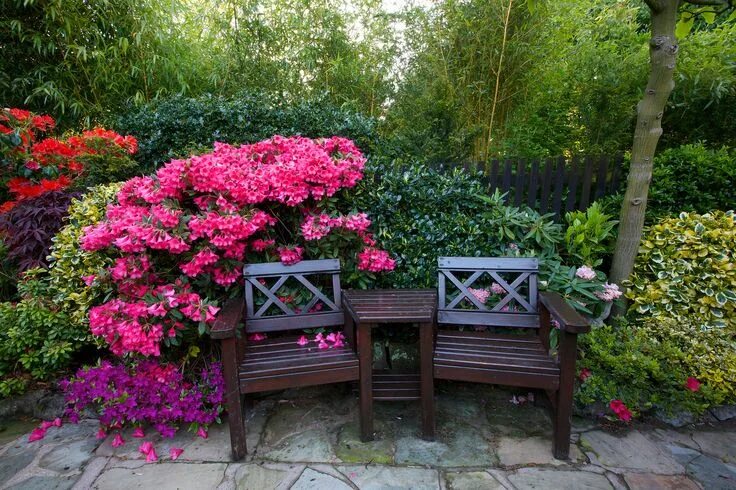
{"x":311,"y":441}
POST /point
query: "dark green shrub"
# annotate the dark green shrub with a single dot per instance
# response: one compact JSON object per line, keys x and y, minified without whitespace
{"x":177,"y":126}
{"x":693,"y":178}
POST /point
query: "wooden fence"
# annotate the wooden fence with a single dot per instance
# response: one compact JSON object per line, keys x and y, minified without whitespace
{"x":552,"y":185}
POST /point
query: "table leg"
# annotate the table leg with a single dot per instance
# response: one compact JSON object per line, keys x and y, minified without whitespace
{"x":365,"y":357}
{"x":426,"y":354}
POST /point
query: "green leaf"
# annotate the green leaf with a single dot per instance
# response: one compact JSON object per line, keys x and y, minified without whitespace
{"x":684,"y":25}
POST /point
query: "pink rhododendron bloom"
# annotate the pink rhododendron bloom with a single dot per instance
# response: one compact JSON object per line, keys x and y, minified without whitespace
{"x":101,"y":434}
{"x":37,"y":435}
{"x":290,"y":256}
{"x":202,"y":432}
{"x":496,"y":288}
{"x":374,"y":260}
{"x":480,"y":294}
{"x":175,"y":452}
{"x":302,"y":340}
{"x":610,"y":292}
{"x":257,"y":337}
{"x":319,"y":337}
{"x":118,"y":440}
{"x":88,"y":280}
{"x":138,"y":433}
{"x":57,"y":422}
{"x":45,"y":424}
{"x":260,"y":245}
{"x":150,"y":452}
{"x":585,"y":273}
{"x":620,"y":409}
{"x":692,"y":384}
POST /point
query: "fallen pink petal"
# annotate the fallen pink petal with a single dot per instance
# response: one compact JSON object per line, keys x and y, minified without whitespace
{"x":202,"y":432}
{"x":175,"y":452}
{"x":138,"y":433}
{"x":37,"y":435}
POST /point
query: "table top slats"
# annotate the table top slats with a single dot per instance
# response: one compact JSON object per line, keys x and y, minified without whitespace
{"x":391,"y":305}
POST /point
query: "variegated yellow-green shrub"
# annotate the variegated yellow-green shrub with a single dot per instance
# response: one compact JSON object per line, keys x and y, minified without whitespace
{"x":43,"y":332}
{"x":686,"y":269}
{"x":683,"y":291}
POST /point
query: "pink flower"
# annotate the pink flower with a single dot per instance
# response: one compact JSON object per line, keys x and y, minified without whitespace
{"x":323,"y":345}
{"x":37,"y":435}
{"x":290,"y":256}
{"x":46,"y":424}
{"x":620,"y":409}
{"x":202,"y":432}
{"x":692,"y":384}
{"x":101,"y":434}
{"x":118,"y":440}
{"x":584,"y":374}
{"x":257,"y":337}
{"x":175,"y":452}
{"x":319,"y":337}
{"x":32,"y":165}
{"x":374,"y":260}
{"x":480,"y":294}
{"x":302,"y":340}
{"x":496,"y":288}
{"x":610,"y":292}
{"x":88,"y":280}
{"x":586,"y":273}
{"x":150,"y":452}
{"x":138,"y":433}
{"x":56,"y":422}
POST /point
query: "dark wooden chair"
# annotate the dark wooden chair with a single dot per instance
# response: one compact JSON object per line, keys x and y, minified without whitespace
{"x":507,"y":358}
{"x":280,"y":362}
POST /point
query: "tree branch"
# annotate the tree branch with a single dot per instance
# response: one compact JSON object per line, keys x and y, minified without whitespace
{"x":725,"y":3}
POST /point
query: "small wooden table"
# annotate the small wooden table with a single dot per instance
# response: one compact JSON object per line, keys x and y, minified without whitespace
{"x":369,"y":308}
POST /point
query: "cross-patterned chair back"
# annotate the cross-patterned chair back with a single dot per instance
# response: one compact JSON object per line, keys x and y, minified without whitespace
{"x":288,"y":297}
{"x":496,"y":292}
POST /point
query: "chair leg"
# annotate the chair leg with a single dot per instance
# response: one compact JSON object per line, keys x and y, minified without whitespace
{"x":236,"y":419}
{"x":563,"y":408}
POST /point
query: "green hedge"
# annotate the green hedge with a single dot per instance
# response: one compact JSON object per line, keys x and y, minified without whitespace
{"x":177,"y":126}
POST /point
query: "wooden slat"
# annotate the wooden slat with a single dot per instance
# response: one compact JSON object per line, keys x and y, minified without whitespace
{"x":572,"y":184}
{"x":531,"y":200}
{"x":601,"y":178}
{"x":501,"y":377}
{"x":283,"y":322}
{"x":484,"y":337}
{"x":544,"y":203}
{"x":303,"y":267}
{"x":519,"y":186}
{"x":494,"y":361}
{"x":395,"y":387}
{"x":499,"y":264}
{"x":587,"y":183}
{"x":494,"y":174}
{"x":618,"y":161}
{"x":558,"y":187}
{"x":462,"y":317}
{"x":506,"y":185}
{"x":297,"y":380}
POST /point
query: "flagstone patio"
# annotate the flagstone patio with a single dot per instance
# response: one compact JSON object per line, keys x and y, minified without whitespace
{"x":308,"y":439}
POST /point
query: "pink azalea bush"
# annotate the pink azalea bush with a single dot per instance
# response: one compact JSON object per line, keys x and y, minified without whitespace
{"x":182,"y":235}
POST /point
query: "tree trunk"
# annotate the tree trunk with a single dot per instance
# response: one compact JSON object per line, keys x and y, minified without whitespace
{"x":662,"y":55}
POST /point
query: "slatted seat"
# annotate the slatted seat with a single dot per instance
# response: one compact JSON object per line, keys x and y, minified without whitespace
{"x":280,"y":299}
{"x":279,"y":363}
{"x":501,"y":293}
{"x":510,"y":359}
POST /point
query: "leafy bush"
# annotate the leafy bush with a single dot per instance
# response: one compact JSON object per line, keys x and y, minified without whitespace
{"x":35,"y":340}
{"x":693,"y":178}
{"x":30,"y":226}
{"x":589,"y":235}
{"x":420,"y":214}
{"x":686,"y":270}
{"x":62,"y":281}
{"x":176,"y":126}
{"x":644,"y":368}
{"x":32,"y":166}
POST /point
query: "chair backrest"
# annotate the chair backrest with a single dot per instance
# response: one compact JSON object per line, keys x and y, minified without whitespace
{"x":497,"y":292}
{"x":289,"y":297}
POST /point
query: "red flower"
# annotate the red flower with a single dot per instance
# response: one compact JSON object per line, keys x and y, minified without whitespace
{"x":692,"y":384}
{"x":20,"y":114}
{"x":32,"y":165}
{"x":5,"y":129}
{"x":43,"y":123}
{"x":620,"y":409}
{"x":584,"y":374}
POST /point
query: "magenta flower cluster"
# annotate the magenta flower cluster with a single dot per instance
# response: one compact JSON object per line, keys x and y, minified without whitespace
{"x":197,"y":221}
{"x":145,"y":393}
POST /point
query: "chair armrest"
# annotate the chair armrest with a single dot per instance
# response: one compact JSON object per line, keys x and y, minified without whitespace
{"x":570,"y":320}
{"x":228,"y":319}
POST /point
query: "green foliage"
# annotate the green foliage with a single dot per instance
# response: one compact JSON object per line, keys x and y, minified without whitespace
{"x":36,"y":339}
{"x":589,"y":235}
{"x":693,"y":178}
{"x":643,"y":369}
{"x":62,"y":282}
{"x":176,"y":126}
{"x":686,"y":270}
